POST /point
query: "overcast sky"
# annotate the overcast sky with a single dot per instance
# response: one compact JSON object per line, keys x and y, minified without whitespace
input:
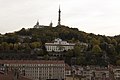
{"x":92,"y":16}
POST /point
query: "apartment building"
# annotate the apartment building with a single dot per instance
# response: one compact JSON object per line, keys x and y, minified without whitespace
{"x":91,"y":72}
{"x":68,"y":70}
{"x":116,"y":71}
{"x":35,"y":69}
{"x":100,"y":74}
{"x":10,"y":75}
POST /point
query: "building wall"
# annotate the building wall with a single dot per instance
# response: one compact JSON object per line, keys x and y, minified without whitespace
{"x":58,"y":46}
{"x":116,"y":72}
{"x":67,"y":72}
{"x":38,"y":71}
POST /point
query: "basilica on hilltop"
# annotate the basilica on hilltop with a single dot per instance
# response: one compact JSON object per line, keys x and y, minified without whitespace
{"x":37,"y":25}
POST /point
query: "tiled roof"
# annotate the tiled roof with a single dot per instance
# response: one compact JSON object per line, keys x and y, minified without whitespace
{"x":103,"y":79}
{"x":67,"y":67}
{"x":31,"y":62}
{"x":102,"y":69}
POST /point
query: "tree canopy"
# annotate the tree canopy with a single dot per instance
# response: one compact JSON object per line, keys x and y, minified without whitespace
{"x":32,"y":42}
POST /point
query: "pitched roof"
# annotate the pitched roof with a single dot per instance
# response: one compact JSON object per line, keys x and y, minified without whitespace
{"x":67,"y":67}
{"x":31,"y":62}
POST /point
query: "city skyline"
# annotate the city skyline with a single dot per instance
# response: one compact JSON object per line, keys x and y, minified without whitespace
{"x":92,"y":16}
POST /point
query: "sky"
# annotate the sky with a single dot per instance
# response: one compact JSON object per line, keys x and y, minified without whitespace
{"x":91,"y":16}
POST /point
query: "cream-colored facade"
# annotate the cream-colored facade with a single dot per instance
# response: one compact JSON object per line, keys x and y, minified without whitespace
{"x":116,"y":71}
{"x":59,"y":46}
{"x":37,"y":70}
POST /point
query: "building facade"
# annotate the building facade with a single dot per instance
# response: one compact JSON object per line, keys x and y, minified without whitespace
{"x":91,"y":72}
{"x":37,"y":70}
{"x":11,"y":75}
{"x":68,"y":70}
{"x":59,"y":46}
{"x":116,"y":71}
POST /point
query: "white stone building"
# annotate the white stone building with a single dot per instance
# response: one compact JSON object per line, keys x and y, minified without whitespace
{"x":36,"y":70}
{"x":59,"y":46}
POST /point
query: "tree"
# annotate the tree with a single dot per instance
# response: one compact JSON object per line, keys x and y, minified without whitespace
{"x":36,"y":45}
{"x":111,"y":49}
{"x":118,"y":49}
{"x":108,"y":40}
{"x":114,"y":42}
{"x":5,"y":46}
{"x":27,"y":40}
{"x":15,"y":47}
{"x":69,"y":53}
{"x":95,"y":42}
{"x":96,"y":49}
{"x":11,"y":46}
{"x":77,"y":50}
{"x":27,"y":47}
{"x":118,"y":62}
{"x":22,"y":32}
{"x":46,"y":57}
{"x":104,"y":46}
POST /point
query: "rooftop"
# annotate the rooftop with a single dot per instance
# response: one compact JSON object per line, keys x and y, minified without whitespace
{"x":31,"y":62}
{"x":59,"y":41}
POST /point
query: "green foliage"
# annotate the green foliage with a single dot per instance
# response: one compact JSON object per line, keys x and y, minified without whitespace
{"x":36,"y":45}
{"x":95,"y":41}
{"x":69,"y":53}
{"x":96,"y":49}
{"x":77,"y":50}
{"x":114,"y":42}
{"x":32,"y":42}
{"x":118,"y":62}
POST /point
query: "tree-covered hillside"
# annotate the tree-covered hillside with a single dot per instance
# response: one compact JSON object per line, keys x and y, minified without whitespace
{"x":101,"y":50}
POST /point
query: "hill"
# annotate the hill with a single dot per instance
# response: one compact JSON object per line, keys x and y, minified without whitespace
{"x":29,"y":44}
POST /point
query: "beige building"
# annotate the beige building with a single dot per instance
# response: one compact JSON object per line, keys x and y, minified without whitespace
{"x":116,"y":71}
{"x":59,"y":46}
{"x":10,"y":75}
{"x":91,"y":72}
{"x":68,"y":70}
{"x":36,"y":70}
